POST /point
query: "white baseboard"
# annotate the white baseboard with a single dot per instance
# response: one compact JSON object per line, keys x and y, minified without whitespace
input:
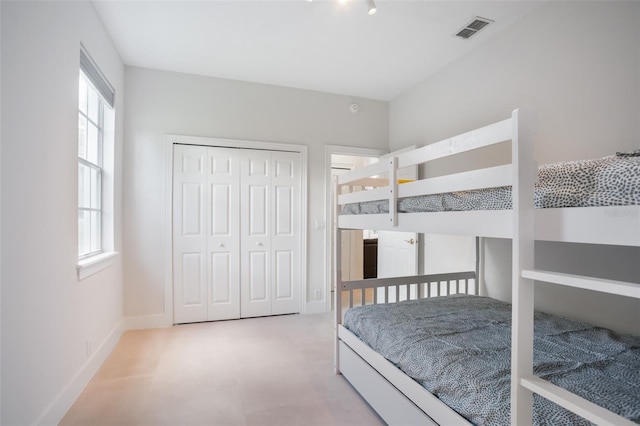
{"x":317,"y":307}
{"x":147,"y":321}
{"x":54,"y":413}
{"x":59,"y":407}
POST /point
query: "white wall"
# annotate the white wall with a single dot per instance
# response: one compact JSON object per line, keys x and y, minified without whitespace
{"x":47,"y":314}
{"x":160,"y":103}
{"x":577,"y":65}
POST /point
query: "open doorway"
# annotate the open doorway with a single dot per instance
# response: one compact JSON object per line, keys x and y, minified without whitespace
{"x":359,"y":248}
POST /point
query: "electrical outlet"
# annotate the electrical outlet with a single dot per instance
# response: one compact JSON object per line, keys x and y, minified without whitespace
{"x":318,"y":294}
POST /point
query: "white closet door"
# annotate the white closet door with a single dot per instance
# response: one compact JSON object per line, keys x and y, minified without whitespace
{"x":285,"y":237}
{"x":256,"y":223}
{"x":236,"y":233}
{"x":189,"y":234}
{"x":223,"y":229}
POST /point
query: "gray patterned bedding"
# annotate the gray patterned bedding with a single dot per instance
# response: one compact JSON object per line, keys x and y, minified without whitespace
{"x":459,"y":348}
{"x":609,"y":181}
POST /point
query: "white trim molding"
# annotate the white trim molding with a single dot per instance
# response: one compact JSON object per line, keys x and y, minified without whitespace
{"x":142,"y":322}
{"x":315,"y":307}
{"x":55,"y":411}
{"x":89,"y":266}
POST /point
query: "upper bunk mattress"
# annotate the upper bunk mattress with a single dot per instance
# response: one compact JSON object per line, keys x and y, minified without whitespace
{"x":609,"y":181}
{"x":459,"y":348}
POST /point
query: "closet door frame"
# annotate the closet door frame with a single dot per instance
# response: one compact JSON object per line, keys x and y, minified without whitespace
{"x":171,"y":140}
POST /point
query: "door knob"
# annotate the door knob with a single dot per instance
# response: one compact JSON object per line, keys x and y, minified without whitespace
{"x":220,"y":245}
{"x":411,"y":241}
{"x":259,"y":244}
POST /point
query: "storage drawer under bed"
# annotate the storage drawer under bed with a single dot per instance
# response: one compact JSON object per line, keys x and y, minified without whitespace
{"x":391,"y":404}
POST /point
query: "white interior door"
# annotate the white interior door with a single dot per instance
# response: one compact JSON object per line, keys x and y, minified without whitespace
{"x":397,"y":257}
{"x":397,"y":254}
{"x":223,"y":230}
{"x":189,"y":234}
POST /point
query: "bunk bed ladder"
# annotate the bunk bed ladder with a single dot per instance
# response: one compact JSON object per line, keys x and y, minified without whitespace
{"x":558,"y":395}
{"x":523,"y":382}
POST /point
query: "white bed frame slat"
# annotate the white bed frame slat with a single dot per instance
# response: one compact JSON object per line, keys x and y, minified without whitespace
{"x":620,"y":288}
{"x":364,"y":196}
{"x":572,"y":402}
{"x":616,"y":225}
{"x":413,"y":279}
{"x":481,"y":223}
{"x":476,"y":179}
{"x":353,"y":176}
{"x":475,"y":139}
{"x":611,"y":225}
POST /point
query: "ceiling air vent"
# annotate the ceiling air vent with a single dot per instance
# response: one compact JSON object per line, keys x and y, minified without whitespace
{"x":473,"y":27}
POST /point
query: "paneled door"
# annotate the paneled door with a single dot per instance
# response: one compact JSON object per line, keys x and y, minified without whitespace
{"x":285,"y":238}
{"x":223,"y":227}
{"x":270,"y":224}
{"x":206,"y":278}
{"x":189,"y":234}
{"x":236,"y":233}
{"x":256,"y":216}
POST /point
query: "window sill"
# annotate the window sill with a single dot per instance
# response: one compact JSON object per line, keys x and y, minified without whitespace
{"x":95,"y":264}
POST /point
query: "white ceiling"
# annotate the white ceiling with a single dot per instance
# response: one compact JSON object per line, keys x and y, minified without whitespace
{"x":329,"y":46}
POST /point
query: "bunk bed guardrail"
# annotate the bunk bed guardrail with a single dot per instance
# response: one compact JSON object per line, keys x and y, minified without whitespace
{"x":471,"y":180}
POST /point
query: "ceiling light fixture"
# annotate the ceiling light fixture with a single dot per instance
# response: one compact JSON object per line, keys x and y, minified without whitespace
{"x":372,"y":7}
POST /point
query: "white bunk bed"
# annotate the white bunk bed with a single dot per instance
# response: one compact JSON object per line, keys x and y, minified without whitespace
{"x":396,"y":397}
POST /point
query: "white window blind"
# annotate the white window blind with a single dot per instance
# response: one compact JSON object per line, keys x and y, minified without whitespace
{"x":95,"y":76}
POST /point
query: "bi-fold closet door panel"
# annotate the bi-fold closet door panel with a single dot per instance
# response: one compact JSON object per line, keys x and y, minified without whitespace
{"x":256,"y":214}
{"x":206,"y":278}
{"x":285,"y":237}
{"x":189,"y":235}
{"x":270,"y":226}
{"x":236,"y":233}
{"x":223,"y":245}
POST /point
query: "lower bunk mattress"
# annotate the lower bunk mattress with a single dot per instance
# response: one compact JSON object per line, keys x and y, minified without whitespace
{"x":459,"y":348}
{"x":608,"y":181}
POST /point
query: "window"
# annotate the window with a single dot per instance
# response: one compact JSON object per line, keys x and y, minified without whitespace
{"x":96,"y":123}
{"x":90,"y":138}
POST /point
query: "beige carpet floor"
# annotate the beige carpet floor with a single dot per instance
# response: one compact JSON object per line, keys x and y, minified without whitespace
{"x":260,"y":371}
